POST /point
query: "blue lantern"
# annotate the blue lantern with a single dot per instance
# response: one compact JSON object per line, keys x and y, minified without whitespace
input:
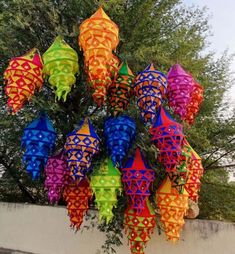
{"x":38,"y":141}
{"x":119,"y":133}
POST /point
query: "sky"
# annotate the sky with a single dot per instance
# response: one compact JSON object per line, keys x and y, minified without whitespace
{"x":222,"y":22}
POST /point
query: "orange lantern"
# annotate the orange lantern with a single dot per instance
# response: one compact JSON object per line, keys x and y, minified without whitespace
{"x":98,"y":37}
{"x":172,"y":206}
{"x":22,"y":77}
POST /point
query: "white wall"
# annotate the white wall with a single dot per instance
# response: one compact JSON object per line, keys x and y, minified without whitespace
{"x":45,"y":230}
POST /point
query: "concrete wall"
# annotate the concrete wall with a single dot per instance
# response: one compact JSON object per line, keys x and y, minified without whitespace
{"x":45,"y":230}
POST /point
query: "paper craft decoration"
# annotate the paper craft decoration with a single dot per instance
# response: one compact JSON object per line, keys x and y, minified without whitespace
{"x":98,"y":37}
{"x":137,"y":177}
{"x":139,"y":227}
{"x":195,"y":170}
{"x":81,"y":145}
{"x":119,"y":133}
{"x":180,"y":86}
{"x":23,"y":77}
{"x":172,"y":207}
{"x":120,"y":91}
{"x":77,"y":195}
{"x":106,"y":185}
{"x":60,"y":64}
{"x":150,"y":88}
{"x":196,"y":98}
{"x":167,"y":135}
{"x":57,"y":174}
{"x":38,"y":141}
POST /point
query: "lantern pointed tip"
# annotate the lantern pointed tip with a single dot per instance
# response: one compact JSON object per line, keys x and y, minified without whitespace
{"x":124,"y":69}
{"x":100,"y":13}
{"x":176,"y":70}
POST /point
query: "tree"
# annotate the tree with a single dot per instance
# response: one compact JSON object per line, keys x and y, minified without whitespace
{"x":162,"y":32}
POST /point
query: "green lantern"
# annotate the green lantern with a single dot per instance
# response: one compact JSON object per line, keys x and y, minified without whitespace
{"x":106,"y":185}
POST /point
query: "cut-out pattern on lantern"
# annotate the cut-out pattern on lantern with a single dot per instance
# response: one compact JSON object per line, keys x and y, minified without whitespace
{"x":81,"y":145}
{"x":167,"y":135}
{"x":23,"y":77}
{"x":150,"y":88}
{"x":172,"y":207}
{"x":119,"y":133}
{"x":106,"y":184}
{"x":120,"y":91}
{"x":98,"y":38}
{"x":38,"y":141}
{"x":137,"y":177}
{"x":57,"y":174}
{"x":60,"y":64}
{"x":139,"y":227}
{"x":77,"y":195}
{"x":195,"y":172}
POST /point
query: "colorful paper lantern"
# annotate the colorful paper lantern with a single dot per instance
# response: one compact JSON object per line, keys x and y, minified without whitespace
{"x":81,"y":145}
{"x":23,"y":77}
{"x":167,"y":135}
{"x":172,"y":206}
{"x":61,"y":64}
{"x":56,"y":171}
{"x":106,"y":185}
{"x":119,"y":133}
{"x":139,"y":227}
{"x":196,"y":98}
{"x":77,"y":195}
{"x":119,"y":92}
{"x":137,"y":177}
{"x":180,"y":86}
{"x":150,"y":88}
{"x":195,"y":170}
{"x":98,"y":37}
{"x":38,"y":141}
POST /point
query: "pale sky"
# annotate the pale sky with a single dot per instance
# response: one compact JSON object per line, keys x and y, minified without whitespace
{"x":222,"y":24}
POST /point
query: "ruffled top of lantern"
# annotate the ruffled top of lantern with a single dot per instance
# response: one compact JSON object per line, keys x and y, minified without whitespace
{"x":99,"y":24}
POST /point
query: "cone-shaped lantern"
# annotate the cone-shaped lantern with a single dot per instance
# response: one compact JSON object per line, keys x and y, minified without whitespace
{"x":77,"y":195}
{"x":168,"y":137}
{"x":61,"y":64}
{"x":22,"y":77}
{"x":56,"y":171}
{"x":119,"y":92}
{"x":137,"y":177}
{"x":119,"y":133}
{"x":150,"y":88}
{"x":38,"y":141}
{"x":180,"y":86}
{"x":106,"y":184}
{"x":195,"y":172}
{"x":98,"y":37}
{"x":139,"y":227}
{"x":196,"y":98}
{"x":172,"y":207}
{"x":81,"y":145}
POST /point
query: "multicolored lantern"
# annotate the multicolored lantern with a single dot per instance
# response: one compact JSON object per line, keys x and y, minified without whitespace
{"x":139,"y":227}
{"x":23,"y":77}
{"x":172,"y":206}
{"x":77,"y":195}
{"x":98,"y":37}
{"x":57,"y":174}
{"x":119,"y":133}
{"x":119,"y":92}
{"x":180,"y":86}
{"x":106,"y":184}
{"x":196,"y":98}
{"x":195,"y":170}
{"x":167,"y":135}
{"x":81,"y":145}
{"x":137,"y":177}
{"x":38,"y":141}
{"x":61,"y":64}
{"x":150,"y":88}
